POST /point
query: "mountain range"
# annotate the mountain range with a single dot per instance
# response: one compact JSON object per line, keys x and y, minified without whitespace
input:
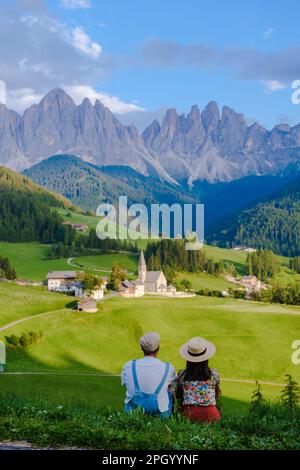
{"x":88,"y":185}
{"x":208,"y":146}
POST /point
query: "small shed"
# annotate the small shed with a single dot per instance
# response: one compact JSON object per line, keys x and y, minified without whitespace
{"x":87,"y":305}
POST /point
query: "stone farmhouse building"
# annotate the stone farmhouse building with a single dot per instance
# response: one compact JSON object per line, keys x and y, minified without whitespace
{"x":67,"y":282}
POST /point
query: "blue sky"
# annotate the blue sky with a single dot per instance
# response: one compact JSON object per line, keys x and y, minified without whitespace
{"x":158,"y":54}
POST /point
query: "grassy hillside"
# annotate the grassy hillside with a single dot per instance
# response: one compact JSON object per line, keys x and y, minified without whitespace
{"x":19,"y":302}
{"x":253,"y":342}
{"x":87,"y":185}
{"x":80,"y":342}
{"x":92,"y":221}
{"x":25,"y":210}
{"x":13,"y":181}
{"x":31,"y":262}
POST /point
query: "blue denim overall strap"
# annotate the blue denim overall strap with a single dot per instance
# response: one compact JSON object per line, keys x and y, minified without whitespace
{"x":135,"y":380}
{"x":163,"y":380}
{"x":160,"y":386}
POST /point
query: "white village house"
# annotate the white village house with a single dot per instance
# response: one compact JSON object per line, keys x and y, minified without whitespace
{"x":67,"y":281}
{"x":62,"y":281}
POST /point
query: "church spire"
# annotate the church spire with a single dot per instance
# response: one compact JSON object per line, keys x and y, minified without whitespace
{"x":142,"y":268}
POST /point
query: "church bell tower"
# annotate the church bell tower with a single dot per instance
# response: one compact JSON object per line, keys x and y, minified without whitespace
{"x":142,"y":269}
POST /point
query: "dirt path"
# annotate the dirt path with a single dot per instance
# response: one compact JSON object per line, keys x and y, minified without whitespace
{"x":75,"y":265}
{"x":72,"y":263}
{"x":21,"y":320}
{"x":7,"y":445}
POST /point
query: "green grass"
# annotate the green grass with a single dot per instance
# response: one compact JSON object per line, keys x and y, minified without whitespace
{"x":253,"y":342}
{"x":92,"y":221}
{"x":82,"y":342}
{"x":75,"y":218}
{"x":103,"y":392}
{"x":53,"y":425}
{"x":20,"y":302}
{"x":106,"y":262}
{"x":30,"y":260}
{"x":205,"y":281}
{"x":237,"y":258}
{"x":253,"y":339}
{"x":285,"y":276}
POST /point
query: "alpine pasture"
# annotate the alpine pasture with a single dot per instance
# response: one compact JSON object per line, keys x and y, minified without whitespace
{"x":80,"y":355}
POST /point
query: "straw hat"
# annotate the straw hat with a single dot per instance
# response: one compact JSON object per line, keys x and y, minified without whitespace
{"x":197,"y":350}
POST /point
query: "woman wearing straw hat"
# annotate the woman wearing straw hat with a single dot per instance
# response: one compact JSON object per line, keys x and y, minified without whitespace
{"x":198,"y":386}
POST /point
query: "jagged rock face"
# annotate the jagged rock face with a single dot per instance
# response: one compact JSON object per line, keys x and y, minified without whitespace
{"x":205,"y":146}
{"x":200,"y":145}
{"x":57,"y":125}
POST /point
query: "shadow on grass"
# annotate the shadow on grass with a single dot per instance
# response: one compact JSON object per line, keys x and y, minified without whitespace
{"x":241,"y":268}
{"x":76,"y":383}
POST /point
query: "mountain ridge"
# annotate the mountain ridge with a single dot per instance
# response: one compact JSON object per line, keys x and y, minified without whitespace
{"x":88,"y":185}
{"x":206,"y":146}
{"x":272,"y":223}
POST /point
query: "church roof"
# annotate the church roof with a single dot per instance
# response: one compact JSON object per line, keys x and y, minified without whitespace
{"x":152,"y":276}
{"x":128,"y":284}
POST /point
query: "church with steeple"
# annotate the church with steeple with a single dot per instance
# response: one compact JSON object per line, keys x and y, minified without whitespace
{"x":148,"y":282}
{"x":154,"y":281}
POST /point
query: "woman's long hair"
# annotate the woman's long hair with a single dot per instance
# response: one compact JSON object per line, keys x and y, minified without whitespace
{"x":197,"y":371}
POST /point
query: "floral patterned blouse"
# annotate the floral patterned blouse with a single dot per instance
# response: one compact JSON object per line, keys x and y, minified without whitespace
{"x":201,"y":392}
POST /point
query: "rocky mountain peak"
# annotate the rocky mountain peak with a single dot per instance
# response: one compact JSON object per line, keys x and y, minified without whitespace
{"x":193,"y":146}
{"x":211,"y":117}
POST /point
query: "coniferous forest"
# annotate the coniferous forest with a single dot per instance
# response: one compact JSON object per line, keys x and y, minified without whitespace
{"x":273,"y":224}
{"x":26,"y":211}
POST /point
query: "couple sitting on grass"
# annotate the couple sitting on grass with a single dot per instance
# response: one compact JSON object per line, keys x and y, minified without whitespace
{"x":151,"y":384}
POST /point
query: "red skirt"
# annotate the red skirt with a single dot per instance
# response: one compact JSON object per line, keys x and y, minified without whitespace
{"x":206,"y":414}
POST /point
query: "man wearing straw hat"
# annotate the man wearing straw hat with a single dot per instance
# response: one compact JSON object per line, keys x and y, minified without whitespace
{"x":198,"y":386}
{"x":148,"y":380}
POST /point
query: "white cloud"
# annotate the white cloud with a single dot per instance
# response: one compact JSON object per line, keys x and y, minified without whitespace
{"x":75,"y":4}
{"x":268,"y":33}
{"x":2,"y":92}
{"x":115,"y":104}
{"x":273,"y":85}
{"x":83,"y":42}
{"x":51,"y":55}
{"x":22,"y":99}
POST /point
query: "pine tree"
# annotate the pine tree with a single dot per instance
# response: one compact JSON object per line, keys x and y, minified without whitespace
{"x":290,"y":395}
{"x":257,"y":400}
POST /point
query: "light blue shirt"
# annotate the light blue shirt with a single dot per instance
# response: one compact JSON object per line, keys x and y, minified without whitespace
{"x":150,"y":371}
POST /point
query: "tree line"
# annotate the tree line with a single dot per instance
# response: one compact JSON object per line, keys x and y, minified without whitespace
{"x":295,"y":264}
{"x":171,"y":256}
{"x":289,"y":294}
{"x":26,"y":216}
{"x":78,"y":244}
{"x":263,"y":264}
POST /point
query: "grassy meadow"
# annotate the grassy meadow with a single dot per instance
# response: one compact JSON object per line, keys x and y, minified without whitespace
{"x":106,"y":262}
{"x":31,"y":262}
{"x":23,"y":301}
{"x":80,"y":355}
